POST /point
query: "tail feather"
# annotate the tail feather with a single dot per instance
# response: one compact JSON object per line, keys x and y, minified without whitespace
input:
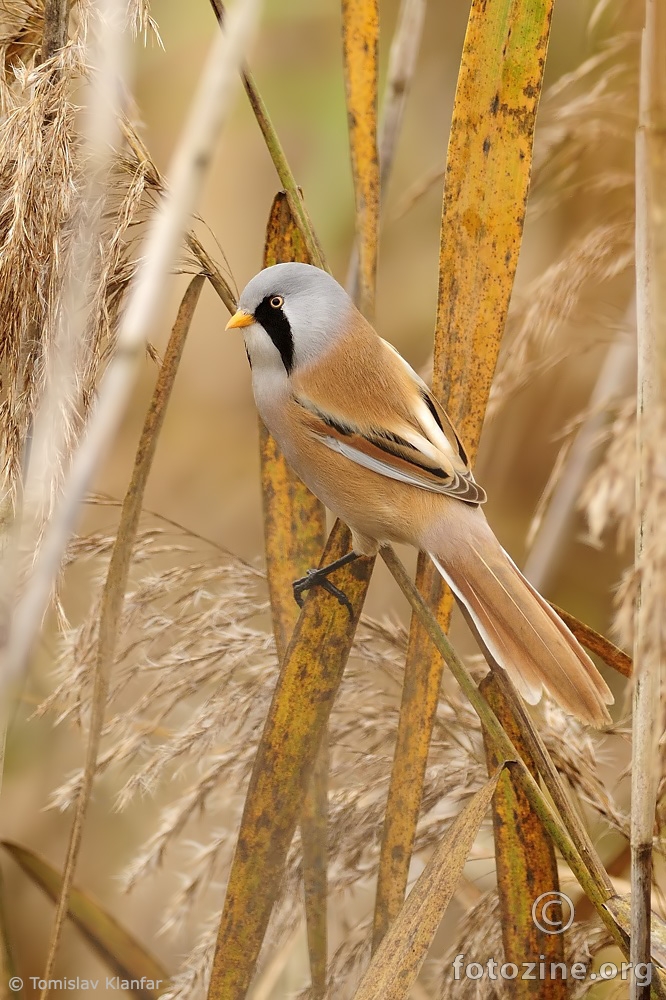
{"x":521,"y":631}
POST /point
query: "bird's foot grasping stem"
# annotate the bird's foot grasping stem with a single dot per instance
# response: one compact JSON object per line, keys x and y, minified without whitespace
{"x":319,"y":578}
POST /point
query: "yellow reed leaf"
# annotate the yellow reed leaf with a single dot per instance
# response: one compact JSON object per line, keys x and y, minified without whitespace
{"x":485,"y":196}
{"x":526,"y":864}
{"x":360,"y":36}
{"x":309,"y":679}
{"x":314,"y":839}
{"x":487,"y":179}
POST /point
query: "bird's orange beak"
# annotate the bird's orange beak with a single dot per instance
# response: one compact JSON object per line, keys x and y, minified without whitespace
{"x":239,"y":319}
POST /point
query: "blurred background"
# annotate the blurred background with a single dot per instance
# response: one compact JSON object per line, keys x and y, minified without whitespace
{"x":206,"y":474}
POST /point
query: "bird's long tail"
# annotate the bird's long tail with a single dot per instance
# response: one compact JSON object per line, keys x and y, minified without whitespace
{"x":520,"y":630}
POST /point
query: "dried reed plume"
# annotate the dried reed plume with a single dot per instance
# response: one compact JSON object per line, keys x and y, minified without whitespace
{"x":198,"y":670}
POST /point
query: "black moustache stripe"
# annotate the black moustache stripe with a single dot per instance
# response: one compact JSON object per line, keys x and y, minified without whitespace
{"x":276,"y":325}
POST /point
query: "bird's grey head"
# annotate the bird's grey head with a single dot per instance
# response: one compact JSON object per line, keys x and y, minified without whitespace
{"x":290,"y":315}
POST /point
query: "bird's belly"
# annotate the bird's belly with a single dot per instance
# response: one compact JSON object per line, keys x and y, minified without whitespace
{"x":369,"y":503}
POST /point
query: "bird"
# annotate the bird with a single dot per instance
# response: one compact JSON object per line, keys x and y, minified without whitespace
{"x":367,"y":436}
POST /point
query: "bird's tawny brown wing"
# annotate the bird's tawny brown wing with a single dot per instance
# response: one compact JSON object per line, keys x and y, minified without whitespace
{"x":390,"y":422}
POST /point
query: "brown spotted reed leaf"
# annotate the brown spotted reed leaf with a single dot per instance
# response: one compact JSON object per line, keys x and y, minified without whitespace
{"x":487,"y":179}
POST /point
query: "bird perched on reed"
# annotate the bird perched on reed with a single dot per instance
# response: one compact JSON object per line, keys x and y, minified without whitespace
{"x":367,"y":436}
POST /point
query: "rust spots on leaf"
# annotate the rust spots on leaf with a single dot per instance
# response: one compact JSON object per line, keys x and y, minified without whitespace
{"x":308,"y":683}
{"x":360,"y":38}
{"x":487,"y":178}
{"x":496,"y":100}
{"x":526,"y":863}
{"x":472,"y":223}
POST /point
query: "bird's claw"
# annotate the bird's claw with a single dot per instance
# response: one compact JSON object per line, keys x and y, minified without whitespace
{"x":317,"y":578}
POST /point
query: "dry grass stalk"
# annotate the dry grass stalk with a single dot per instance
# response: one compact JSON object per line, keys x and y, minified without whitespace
{"x":550,"y":527}
{"x":274,"y":147}
{"x":141,"y":20}
{"x":59,"y":221}
{"x":54,"y":230}
{"x":649,"y":642}
{"x":26,"y":243}
{"x":40,"y":177}
{"x":21,"y":32}
{"x":101,"y":129}
{"x":114,"y":595}
{"x":403,"y":56}
{"x":188,"y":171}
{"x":56,"y":16}
{"x":398,"y":959}
{"x":360,"y":41}
{"x":84,"y":299}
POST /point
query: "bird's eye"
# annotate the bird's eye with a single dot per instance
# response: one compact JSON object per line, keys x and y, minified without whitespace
{"x":277,"y":302}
